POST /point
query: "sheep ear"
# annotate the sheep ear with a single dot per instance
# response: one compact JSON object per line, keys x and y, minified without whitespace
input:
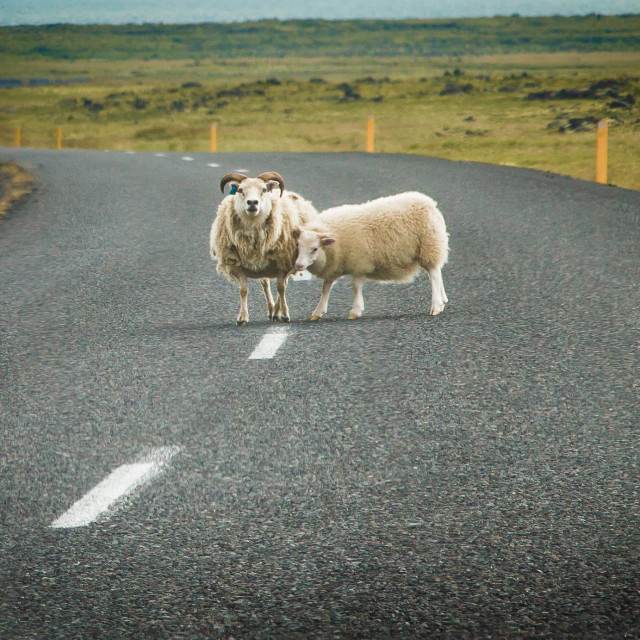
{"x":325,"y":242}
{"x":272,"y":184}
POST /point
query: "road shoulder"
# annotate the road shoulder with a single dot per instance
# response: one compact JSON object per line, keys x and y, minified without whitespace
{"x":15,"y":182}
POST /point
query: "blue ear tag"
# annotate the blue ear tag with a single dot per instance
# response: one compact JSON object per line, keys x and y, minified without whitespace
{"x":233,"y":190}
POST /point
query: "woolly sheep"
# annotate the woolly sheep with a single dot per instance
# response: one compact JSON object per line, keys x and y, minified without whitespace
{"x":251,"y":236}
{"x":387,"y":239}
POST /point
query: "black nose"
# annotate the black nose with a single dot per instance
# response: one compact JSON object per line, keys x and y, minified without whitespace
{"x":252,"y":203}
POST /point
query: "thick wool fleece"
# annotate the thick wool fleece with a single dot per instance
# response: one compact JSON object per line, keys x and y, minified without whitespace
{"x":387,"y":239}
{"x":263,"y":247}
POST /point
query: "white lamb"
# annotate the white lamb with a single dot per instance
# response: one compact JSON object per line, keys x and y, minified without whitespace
{"x":387,"y":239}
{"x":252,"y":236}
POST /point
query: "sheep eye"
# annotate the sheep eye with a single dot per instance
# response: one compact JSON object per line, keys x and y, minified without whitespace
{"x":239,"y":190}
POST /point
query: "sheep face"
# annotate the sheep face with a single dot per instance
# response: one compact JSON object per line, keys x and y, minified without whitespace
{"x":310,"y":247}
{"x":252,"y":197}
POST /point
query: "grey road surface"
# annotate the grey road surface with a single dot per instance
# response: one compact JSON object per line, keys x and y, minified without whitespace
{"x":471,"y":475}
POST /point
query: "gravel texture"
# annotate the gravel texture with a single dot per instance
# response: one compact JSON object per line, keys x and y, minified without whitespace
{"x":471,"y":475}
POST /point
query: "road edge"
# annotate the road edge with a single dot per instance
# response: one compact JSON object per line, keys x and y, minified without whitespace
{"x":15,"y":183}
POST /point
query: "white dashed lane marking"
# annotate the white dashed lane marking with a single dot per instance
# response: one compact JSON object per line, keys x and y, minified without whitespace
{"x":187,"y":158}
{"x":121,"y":482}
{"x":270,"y":344}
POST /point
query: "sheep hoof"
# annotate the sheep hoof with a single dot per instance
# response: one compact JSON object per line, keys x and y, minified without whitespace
{"x":314,"y":318}
{"x":241,"y":323}
{"x":353,"y":316}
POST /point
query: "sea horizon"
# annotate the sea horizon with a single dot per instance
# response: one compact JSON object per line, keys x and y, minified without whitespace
{"x":44,"y":12}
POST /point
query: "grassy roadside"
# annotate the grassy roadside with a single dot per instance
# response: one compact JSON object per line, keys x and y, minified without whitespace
{"x":521,"y":107}
{"x":15,"y":183}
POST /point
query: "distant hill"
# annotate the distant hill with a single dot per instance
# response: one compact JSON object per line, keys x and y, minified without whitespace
{"x":320,"y":38}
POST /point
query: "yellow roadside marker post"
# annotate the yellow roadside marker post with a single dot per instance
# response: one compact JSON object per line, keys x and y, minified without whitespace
{"x":59,"y":145}
{"x":18,"y":137}
{"x":601,"y":152}
{"x":214,"y":138}
{"x":371,"y":128}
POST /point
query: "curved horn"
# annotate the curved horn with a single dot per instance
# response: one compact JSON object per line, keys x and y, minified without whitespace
{"x":272,"y":175}
{"x":231,"y":177}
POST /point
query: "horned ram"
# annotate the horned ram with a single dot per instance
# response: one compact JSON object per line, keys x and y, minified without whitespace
{"x":252,"y":236}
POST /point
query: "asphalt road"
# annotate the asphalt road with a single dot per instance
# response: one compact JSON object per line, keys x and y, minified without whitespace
{"x":470,"y":475}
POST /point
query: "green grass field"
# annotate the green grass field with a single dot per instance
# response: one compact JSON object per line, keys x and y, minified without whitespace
{"x":463,"y":107}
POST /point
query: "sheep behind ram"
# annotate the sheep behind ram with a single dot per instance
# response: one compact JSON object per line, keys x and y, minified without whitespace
{"x":387,"y":239}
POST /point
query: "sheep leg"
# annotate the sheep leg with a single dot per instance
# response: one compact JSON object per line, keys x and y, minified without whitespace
{"x":438,"y":294}
{"x":243,"y":316}
{"x":266,"y":287}
{"x":281,"y":310}
{"x":358,"y":300}
{"x":321,"y":309}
